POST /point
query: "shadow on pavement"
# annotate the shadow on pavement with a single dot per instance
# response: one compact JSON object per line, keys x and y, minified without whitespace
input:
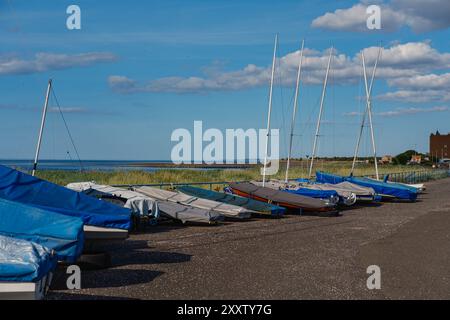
{"x":109,"y":278}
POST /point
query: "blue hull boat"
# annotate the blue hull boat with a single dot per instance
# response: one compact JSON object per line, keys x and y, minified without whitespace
{"x":384,"y":189}
{"x":62,"y":234}
{"x":21,"y":187}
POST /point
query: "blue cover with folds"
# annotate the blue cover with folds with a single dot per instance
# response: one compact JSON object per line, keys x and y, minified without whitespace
{"x":24,"y":261}
{"x":320,"y":194}
{"x":61,"y":233}
{"x":382,"y":188}
{"x":22,"y":187}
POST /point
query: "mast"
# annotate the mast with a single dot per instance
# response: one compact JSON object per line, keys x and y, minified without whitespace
{"x":294,"y":112}
{"x":41,"y":130}
{"x":369,"y":111}
{"x":324,"y":89}
{"x":358,"y":142}
{"x":270,"y":108}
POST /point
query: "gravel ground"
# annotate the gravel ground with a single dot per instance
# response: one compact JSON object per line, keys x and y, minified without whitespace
{"x":296,"y":257}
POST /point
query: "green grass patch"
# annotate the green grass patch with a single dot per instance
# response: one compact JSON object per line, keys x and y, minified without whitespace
{"x":299,"y":170}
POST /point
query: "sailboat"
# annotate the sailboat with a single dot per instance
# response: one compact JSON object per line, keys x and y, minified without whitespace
{"x":103,"y":222}
{"x":305,"y":188}
{"x":264,"y":191}
{"x":382,"y":188}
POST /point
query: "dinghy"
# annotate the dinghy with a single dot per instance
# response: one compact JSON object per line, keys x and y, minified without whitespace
{"x":420,"y":187}
{"x":103,"y":221}
{"x":138,"y":204}
{"x":292,"y":187}
{"x":62,"y":234}
{"x":26,"y":269}
{"x":145,"y":205}
{"x":227,"y":210}
{"x":185,"y":213}
{"x":385,"y":190}
{"x":281,"y":198}
{"x":260,"y":207}
{"x":352,"y":192}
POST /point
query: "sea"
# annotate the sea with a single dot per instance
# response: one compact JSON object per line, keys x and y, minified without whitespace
{"x":88,"y":165}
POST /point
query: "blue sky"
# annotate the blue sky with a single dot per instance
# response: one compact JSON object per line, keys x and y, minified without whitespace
{"x":138,"y":70}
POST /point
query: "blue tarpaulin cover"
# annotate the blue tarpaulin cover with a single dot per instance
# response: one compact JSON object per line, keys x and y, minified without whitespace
{"x":22,"y":187}
{"x":382,"y":188}
{"x":63,"y":234}
{"x":320,"y":194}
{"x":24,"y":261}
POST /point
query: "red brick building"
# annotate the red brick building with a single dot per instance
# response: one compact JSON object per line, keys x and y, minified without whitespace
{"x":439,"y":145}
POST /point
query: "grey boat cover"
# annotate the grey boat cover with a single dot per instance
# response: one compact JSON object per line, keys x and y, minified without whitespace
{"x":359,"y":191}
{"x":280,"y":197}
{"x":139,"y":204}
{"x":186,"y":213}
{"x":228,"y":210}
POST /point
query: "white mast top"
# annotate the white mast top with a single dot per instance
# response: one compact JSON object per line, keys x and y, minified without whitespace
{"x":294,"y":112}
{"x":324,"y":89}
{"x":270,"y":109}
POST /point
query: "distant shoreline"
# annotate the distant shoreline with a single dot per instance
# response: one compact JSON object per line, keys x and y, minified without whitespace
{"x":192,"y":165}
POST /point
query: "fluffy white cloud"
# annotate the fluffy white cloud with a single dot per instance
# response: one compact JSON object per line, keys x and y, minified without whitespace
{"x":416,"y":96}
{"x":423,"y":82}
{"x":69,"y":110}
{"x":403,"y":111}
{"x":355,"y":19}
{"x":51,"y":61}
{"x":419,"y":15}
{"x":398,"y":62}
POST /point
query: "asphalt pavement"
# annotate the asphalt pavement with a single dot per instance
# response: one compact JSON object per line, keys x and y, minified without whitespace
{"x":296,"y":257}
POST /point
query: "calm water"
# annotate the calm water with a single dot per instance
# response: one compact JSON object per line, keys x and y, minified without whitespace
{"x":94,"y":165}
{"x":97,"y":165}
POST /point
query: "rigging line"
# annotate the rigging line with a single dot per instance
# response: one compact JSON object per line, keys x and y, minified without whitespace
{"x":360,"y":109}
{"x":67,"y":128}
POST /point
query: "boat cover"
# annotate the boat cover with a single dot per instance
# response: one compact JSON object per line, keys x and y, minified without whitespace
{"x":24,"y":261}
{"x":259,"y":206}
{"x":419,"y":187}
{"x":344,"y":189}
{"x":228,"y":210}
{"x":281,"y":197}
{"x":186,"y":213}
{"x":61,"y":233}
{"x":22,"y":187}
{"x":136,"y":202}
{"x":382,"y":188}
{"x":330,"y":195}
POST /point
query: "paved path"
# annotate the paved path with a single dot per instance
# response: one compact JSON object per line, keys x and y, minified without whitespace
{"x":297,"y":257}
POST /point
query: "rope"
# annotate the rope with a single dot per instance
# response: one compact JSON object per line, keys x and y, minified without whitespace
{"x":67,"y":128}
